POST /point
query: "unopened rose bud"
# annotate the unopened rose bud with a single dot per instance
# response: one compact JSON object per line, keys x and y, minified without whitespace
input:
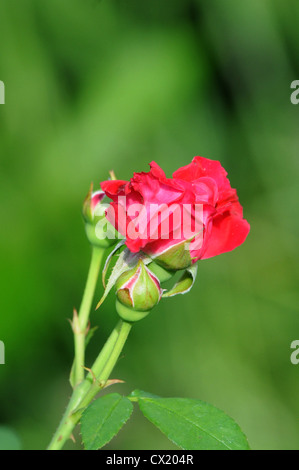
{"x":98,"y":230}
{"x":138,"y":291}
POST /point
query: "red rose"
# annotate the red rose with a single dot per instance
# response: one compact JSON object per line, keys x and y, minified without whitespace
{"x":199,"y":193}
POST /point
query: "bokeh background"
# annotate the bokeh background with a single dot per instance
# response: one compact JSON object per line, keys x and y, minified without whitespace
{"x":113,"y":84}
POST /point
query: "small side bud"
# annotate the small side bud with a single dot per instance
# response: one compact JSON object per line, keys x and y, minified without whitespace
{"x":138,"y":291}
{"x":98,"y":230}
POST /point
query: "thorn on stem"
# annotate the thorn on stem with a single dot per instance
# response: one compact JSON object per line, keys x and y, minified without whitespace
{"x":111,"y":382}
{"x":94,"y":379}
{"x":87,"y":329}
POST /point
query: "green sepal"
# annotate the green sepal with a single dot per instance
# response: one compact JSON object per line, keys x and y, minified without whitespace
{"x":162,"y":274}
{"x":86,"y":208}
{"x":184,"y":284}
{"x":109,"y":259}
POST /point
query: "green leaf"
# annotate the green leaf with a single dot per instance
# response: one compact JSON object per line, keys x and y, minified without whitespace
{"x":192,"y":424}
{"x":8,"y":439}
{"x":102,"y":420}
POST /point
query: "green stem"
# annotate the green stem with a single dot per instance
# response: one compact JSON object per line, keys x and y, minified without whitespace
{"x":124,"y":330}
{"x":105,"y":353}
{"x":80,"y":322}
{"x":94,"y":382}
{"x":67,"y":422}
{"x":108,"y":363}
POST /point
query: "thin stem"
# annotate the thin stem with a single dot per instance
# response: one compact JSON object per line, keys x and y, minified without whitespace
{"x":124,"y":330}
{"x":105,"y":353}
{"x":95,"y":381}
{"x":66,"y":424}
{"x":80,"y":322}
{"x":102,"y":377}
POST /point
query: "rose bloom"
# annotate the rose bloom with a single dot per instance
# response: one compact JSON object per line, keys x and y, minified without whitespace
{"x":199,"y":193}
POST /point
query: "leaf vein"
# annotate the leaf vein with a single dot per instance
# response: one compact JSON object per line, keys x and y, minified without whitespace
{"x":188,"y":420}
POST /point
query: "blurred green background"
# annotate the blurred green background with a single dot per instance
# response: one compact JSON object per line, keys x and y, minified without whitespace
{"x":113,"y":84}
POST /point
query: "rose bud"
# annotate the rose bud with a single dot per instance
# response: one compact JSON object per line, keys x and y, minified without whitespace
{"x":138,"y":291}
{"x":98,"y":229}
